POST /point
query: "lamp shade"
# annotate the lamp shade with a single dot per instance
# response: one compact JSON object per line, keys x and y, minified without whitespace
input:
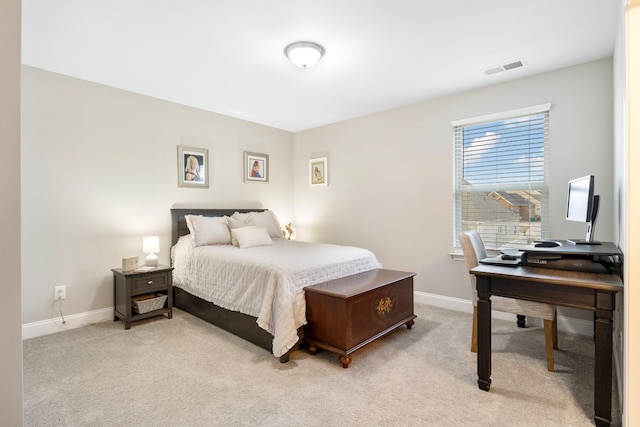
{"x":151,"y":245}
{"x":304,"y":54}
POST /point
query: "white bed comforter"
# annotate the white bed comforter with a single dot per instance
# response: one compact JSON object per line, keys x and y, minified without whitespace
{"x":267,"y":281}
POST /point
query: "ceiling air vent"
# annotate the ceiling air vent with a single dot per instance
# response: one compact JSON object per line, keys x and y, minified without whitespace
{"x":504,"y":67}
{"x":493,"y":70}
{"x":512,"y":65}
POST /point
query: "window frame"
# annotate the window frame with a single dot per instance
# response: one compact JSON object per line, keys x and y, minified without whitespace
{"x":460,"y":188}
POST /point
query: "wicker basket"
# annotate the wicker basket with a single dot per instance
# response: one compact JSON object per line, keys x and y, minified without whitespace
{"x":148,"y":302}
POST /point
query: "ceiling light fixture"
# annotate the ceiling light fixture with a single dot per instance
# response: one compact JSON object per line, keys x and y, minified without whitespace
{"x":304,"y":54}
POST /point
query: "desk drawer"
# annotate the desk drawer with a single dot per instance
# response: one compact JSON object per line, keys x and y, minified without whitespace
{"x":149,"y":281}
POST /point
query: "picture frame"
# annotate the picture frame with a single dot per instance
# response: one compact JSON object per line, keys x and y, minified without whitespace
{"x":256,"y":167}
{"x":318,"y":172}
{"x":193,"y":167}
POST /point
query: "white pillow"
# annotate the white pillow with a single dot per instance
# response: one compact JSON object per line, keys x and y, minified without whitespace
{"x":208,"y":230}
{"x":248,"y":237}
{"x":236,"y":223}
{"x":188,"y":219}
{"x":266,"y":219}
{"x":239,"y":223}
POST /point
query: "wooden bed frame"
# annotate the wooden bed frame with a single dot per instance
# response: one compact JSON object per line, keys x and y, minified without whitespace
{"x":237,"y":323}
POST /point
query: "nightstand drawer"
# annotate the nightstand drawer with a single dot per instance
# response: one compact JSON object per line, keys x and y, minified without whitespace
{"x":149,"y":281}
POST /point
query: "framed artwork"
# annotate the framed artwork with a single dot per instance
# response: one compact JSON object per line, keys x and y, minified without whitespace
{"x":318,"y":173}
{"x":193,"y":167}
{"x":256,"y":167}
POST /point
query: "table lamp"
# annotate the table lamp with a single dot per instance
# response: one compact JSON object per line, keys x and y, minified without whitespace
{"x":151,"y":246}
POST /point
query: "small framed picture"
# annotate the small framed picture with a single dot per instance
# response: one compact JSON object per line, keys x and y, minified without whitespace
{"x":193,"y":167}
{"x":318,"y":172}
{"x":256,"y":167}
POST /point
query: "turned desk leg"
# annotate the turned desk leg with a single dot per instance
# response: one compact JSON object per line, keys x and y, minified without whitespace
{"x":483,"y":286}
{"x":605,"y":304}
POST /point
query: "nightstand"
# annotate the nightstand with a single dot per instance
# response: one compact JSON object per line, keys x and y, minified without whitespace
{"x":138,"y":285}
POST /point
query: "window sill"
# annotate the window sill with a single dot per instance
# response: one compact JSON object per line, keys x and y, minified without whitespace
{"x":457,"y":254}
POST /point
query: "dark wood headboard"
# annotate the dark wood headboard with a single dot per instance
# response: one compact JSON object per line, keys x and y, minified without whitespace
{"x":179,"y":223}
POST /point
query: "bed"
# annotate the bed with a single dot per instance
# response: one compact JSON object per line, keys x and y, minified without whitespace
{"x":253,"y":289}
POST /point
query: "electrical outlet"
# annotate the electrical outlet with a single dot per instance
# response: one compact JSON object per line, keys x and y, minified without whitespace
{"x":59,"y":292}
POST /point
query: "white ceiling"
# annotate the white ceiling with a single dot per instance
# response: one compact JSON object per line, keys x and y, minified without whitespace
{"x":227,"y":56}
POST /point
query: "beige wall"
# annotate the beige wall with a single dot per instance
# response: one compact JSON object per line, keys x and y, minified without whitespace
{"x":390,"y":174}
{"x":10,"y":304}
{"x":99,"y":170}
{"x":100,"y":164}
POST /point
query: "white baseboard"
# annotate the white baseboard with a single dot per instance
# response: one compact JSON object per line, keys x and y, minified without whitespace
{"x":566,"y":324}
{"x":50,"y":326}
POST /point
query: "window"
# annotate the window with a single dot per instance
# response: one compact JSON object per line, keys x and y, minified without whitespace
{"x":501,"y":174}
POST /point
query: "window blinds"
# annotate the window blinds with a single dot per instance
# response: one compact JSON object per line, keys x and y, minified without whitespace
{"x":501,"y":175}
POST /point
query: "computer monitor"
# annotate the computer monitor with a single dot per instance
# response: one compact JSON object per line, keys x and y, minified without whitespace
{"x":582,"y":206}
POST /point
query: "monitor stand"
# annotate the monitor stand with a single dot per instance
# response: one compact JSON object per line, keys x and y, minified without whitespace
{"x":588,"y":240}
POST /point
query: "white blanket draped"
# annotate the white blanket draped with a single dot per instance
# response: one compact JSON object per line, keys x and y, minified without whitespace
{"x":267,"y":281}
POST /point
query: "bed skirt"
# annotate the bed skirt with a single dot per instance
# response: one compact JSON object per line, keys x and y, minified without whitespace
{"x":237,"y":323}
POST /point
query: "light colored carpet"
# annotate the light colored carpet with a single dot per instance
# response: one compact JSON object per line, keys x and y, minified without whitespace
{"x":185,"y":372}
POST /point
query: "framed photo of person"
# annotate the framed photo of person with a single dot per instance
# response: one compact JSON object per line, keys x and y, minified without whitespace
{"x":256,"y":167}
{"x":193,"y":167}
{"x":318,"y":172}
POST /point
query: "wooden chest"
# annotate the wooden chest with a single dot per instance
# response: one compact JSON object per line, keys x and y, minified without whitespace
{"x":345,"y":314}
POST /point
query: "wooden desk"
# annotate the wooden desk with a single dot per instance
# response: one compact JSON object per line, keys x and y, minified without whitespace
{"x":589,"y":291}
